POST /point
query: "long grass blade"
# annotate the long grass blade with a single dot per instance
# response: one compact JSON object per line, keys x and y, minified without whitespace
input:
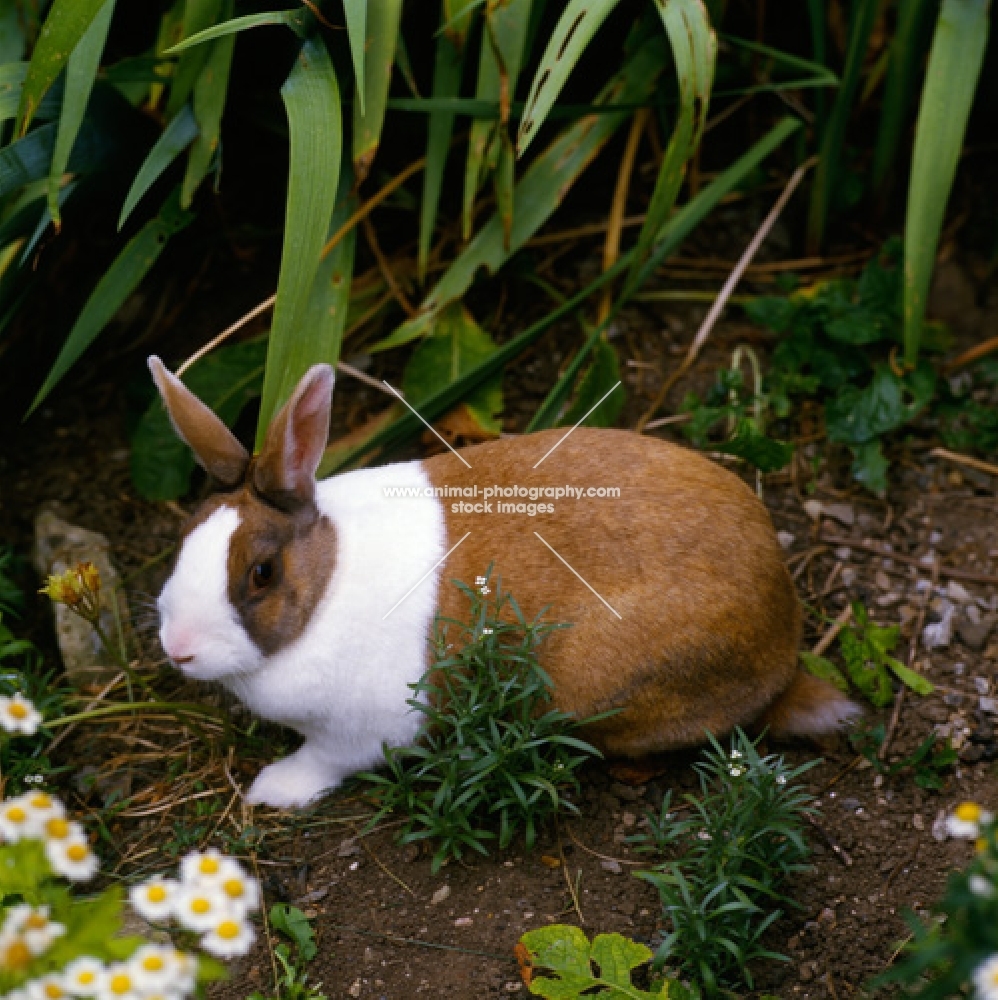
{"x":118,"y":282}
{"x":540,"y":191}
{"x":355,"y":12}
{"x":199,"y":15}
{"x":950,"y":83}
{"x":571,"y":36}
{"x":81,"y":71}
{"x":694,"y":52}
{"x":298,"y":20}
{"x":210,"y":92}
{"x":447,"y":69}
{"x":65,"y":25}
{"x":176,"y":137}
{"x":312,"y":99}
{"x":817,"y":12}
{"x":369,"y":110}
{"x":826,"y":176}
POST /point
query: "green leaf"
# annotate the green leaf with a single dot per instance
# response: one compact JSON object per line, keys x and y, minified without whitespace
{"x":312,"y":100}
{"x":226,"y":380}
{"x":823,"y":668}
{"x":752,"y":445}
{"x":457,"y":345}
{"x":297,"y":19}
{"x":950,"y":84}
{"x":855,"y":416}
{"x":176,"y":137}
{"x":370,"y":100}
{"x":118,"y":282}
{"x":601,"y":380}
{"x":355,"y":12}
{"x":210,"y":92}
{"x":12,"y":40}
{"x":81,"y":70}
{"x":918,"y":683}
{"x":66,"y":23}
{"x":869,"y":466}
{"x":578,"y":23}
{"x":199,"y":15}
{"x":291,"y":921}
{"x":12,"y":76}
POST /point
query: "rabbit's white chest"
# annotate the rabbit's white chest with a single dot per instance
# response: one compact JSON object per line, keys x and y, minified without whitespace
{"x":345,"y":681}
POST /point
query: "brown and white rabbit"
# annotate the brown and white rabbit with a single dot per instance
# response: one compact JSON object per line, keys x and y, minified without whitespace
{"x":314,"y":601}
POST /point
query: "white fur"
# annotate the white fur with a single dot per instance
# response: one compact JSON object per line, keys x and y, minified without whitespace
{"x":196,"y":617}
{"x":343,"y":684}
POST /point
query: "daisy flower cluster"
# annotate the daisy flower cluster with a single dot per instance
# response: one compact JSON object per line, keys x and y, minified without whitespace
{"x":36,"y":815}
{"x":213,"y":897}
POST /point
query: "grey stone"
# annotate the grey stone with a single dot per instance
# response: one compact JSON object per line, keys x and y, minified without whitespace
{"x":975,"y":635}
{"x":59,"y":546}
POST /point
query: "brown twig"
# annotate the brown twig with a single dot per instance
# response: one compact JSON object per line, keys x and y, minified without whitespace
{"x":837,"y":626}
{"x":836,"y":848}
{"x":386,"y":269}
{"x":967,"y":460}
{"x":973,"y":354}
{"x":948,"y":571}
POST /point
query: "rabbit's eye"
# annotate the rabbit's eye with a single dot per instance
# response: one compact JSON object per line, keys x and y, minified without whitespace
{"x":262,"y":574}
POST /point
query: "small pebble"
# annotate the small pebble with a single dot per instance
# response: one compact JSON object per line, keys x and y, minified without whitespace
{"x":463,"y":922}
{"x":440,"y":895}
{"x":982,"y":685}
{"x":843,"y":553}
{"x":785,"y":538}
{"x":611,"y":866}
{"x":354,"y":990}
{"x":917,"y":822}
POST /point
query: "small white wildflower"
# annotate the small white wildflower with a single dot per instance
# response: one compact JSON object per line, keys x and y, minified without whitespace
{"x":229,"y":937}
{"x":704,"y":835}
{"x":50,"y":987}
{"x":156,"y":968}
{"x":965,"y":821}
{"x":981,"y":886}
{"x":16,"y":820}
{"x":484,"y":591}
{"x":486,"y":631}
{"x":84,"y":976}
{"x":986,"y":979}
{"x":18,"y":715}
{"x":43,"y":807}
{"x":58,"y":828}
{"x":241,"y":890}
{"x":202,"y":868}
{"x":72,"y":859}
{"x":119,"y":983}
{"x":199,"y":908}
{"x":153,"y":899}
{"x":480,"y":581}
{"x":32,"y":925}
{"x":737,"y":772}
{"x":736,"y":754}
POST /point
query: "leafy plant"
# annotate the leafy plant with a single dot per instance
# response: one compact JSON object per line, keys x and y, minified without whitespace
{"x":566,"y":951}
{"x":866,"y":649}
{"x":967,"y":410}
{"x":737,"y":850}
{"x":958,"y":949}
{"x":929,"y":763}
{"x":493,"y":752}
{"x":292,"y":982}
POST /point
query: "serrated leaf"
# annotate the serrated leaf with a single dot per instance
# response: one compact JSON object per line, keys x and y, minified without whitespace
{"x":312,"y":100}
{"x":291,"y":921}
{"x":602,"y":377}
{"x":824,"y":669}
{"x":66,"y":23}
{"x":176,"y":137}
{"x":81,"y":70}
{"x":616,"y":956}
{"x":118,"y":282}
{"x":226,"y":379}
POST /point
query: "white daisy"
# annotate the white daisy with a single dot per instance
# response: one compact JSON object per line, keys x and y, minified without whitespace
{"x":84,"y":976}
{"x":18,"y":715}
{"x":199,"y":908}
{"x":119,"y":983}
{"x":965,"y":821}
{"x":229,"y":937}
{"x":156,"y":969}
{"x":50,"y":987}
{"x":187,"y":971}
{"x":33,"y":925}
{"x":16,"y":820}
{"x":242,"y":891}
{"x":15,"y":955}
{"x":43,"y":806}
{"x":153,"y":899}
{"x":986,"y":979}
{"x":72,"y":859}
{"x":60,"y":828}
{"x":203,"y":867}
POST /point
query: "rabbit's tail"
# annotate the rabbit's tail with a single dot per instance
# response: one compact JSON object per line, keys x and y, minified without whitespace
{"x":809,"y":707}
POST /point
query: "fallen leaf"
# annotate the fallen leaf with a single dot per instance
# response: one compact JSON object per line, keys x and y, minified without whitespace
{"x":550,"y":862}
{"x":522,"y":956}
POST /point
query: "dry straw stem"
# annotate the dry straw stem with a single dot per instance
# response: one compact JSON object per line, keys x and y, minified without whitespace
{"x":971,"y":463}
{"x":973,"y":354}
{"x":262,"y":307}
{"x":729,"y":286}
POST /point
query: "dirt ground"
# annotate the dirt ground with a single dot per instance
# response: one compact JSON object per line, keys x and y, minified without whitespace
{"x":387,"y":927}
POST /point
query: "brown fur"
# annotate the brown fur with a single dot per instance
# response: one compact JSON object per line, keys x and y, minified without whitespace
{"x":710,"y":624}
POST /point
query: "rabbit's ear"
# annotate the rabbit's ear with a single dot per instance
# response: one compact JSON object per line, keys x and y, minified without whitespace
{"x":213,"y":444}
{"x":284,"y":473}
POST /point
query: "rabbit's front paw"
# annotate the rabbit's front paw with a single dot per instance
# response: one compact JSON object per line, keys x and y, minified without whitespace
{"x":291,"y":783}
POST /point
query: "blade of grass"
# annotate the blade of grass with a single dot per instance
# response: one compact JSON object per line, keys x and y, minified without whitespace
{"x":355,"y":12}
{"x":298,"y":19}
{"x":11,"y":80}
{"x":66,"y":23}
{"x":118,"y":282}
{"x":694,"y":52}
{"x":579,"y":21}
{"x":672,"y":235}
{"x":816,"y":10}
{"x":81,"y":70}
{"x":447,"y":69}
{"x":198,"y":16}
{"x":955,"y":62}
{"x":210,"y":92}
{"x":826,"y":176}
{"x":540,"y":191}
{"x":371,"y":99}
{"x":176,"y":137}
{"x":312,"y":100}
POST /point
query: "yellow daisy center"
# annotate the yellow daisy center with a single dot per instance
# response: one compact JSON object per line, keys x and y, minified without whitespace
{"x":85,"y":978}
{"x":152,"y":963}
{"x":41,"y":801}
{"x":200,"y":905}
{"x":208,"y":866}
{"x":57,"y":828}
{"x":156,"y":894}
{"x":53,"y":991}
{"x":16,"y":814}
{"x":121,"y":983}
{"x":77,"y":852}
{"x":17,"y":955}
{"x":36,"y":921}
{"x":228,"y":929}
{"x":968,"y":812}
{"x":981,"y":845}
{"x":234,"y":887}
{"x":17,"y":710}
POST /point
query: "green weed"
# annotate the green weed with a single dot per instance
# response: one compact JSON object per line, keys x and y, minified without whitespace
{"x":292,"y":981}
{"x":493,"y":753}
{"x":929,"y":763}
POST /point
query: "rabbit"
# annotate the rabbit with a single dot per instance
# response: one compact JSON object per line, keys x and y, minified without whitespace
{"x":315,"y":602}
